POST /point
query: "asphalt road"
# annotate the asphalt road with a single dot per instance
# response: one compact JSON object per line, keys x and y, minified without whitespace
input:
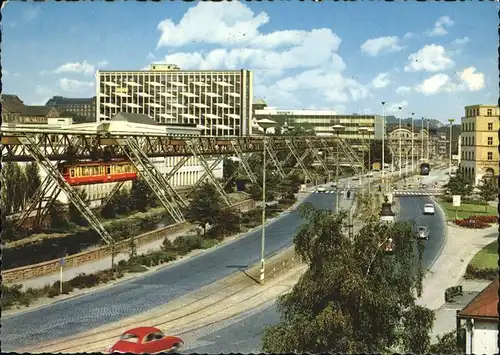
{"x":149,"y":291}
{"x":244,"y":334}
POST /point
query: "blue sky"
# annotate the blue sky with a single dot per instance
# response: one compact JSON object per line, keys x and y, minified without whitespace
{"x":430,"y":58}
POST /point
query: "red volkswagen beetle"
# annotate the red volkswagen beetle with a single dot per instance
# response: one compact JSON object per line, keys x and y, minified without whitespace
{"x":146,"y":340}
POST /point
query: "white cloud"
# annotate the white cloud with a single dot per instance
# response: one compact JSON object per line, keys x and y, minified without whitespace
{"x":80,"y":68}
{"x":151,"y":56}
{"x":403,"y":90}
{"x":430,"y":58}
{"x":409,"y":35}
{"x":466,"y":80}
{"x":461,"y":41}
{"x":230,"y":23}
{"x":394,"y":108}
{"x":440,"y":26}
{"x":381,"y":81}
{"x":381,"y":45}
{"x":74,"y":85}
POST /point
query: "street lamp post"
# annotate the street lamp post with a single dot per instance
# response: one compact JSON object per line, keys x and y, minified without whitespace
{"x":337,"y":128}
{"x":412,"y":152}
{"x":428,"y":139}
{"x":400,"y":145}
{"x":422,"y":135}
{"x":383,"y":143}
{"x":451,"y":120}
{"x":265,"y":124}
{"x":364,"y":130}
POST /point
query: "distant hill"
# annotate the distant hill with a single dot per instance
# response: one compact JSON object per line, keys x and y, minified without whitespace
{"x":433,"y":123}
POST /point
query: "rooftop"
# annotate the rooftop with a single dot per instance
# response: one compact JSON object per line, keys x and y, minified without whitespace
{"x":60,"y":100}
{"x":133,"y":118}
{"x":484,"y":305}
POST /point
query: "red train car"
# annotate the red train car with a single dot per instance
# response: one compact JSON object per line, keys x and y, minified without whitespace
{"x":87,"y":173}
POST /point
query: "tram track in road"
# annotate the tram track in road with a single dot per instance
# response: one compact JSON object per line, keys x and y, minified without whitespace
{"x":219,"y":308}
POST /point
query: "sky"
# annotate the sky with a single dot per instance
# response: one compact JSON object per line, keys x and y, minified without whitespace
{"x":430,"y":59}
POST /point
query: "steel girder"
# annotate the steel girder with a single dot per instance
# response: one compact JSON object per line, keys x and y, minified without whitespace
{"x":33,"y":149}
{"x":167,"y":195}
{"x":205,"y":175}
{"x":299,"y":159}
{"x":316,"y":155}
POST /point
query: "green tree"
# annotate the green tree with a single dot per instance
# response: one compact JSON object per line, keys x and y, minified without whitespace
{"x":229,"y":168}
{"x":446,"y":344}
{"x":74,"y":214}
{"x":33,"y":180}
{"x":227,"y":223}
{"x":353,"y":297}
{"x":459,"y":185}
{"x":205,"y":207}
{"x":117,"y":205}
{"x":141,"y":195}
{"x":488,"y":190}
{"x":13,"y":187}
{"x":57,"y":214}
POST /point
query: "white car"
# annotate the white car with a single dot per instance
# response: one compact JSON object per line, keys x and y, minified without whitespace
{"x":423,"y":232}
{"x":429,"y":208}
{"x":321,"y":189}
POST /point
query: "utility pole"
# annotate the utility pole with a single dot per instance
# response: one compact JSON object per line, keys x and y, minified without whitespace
{"x":383,"y":145}
{"x":412,"y":138}
{"x":400,"y":145}
{"x":337,"y":128}
{"x":428,"y":140}
{"x":422,"y":134}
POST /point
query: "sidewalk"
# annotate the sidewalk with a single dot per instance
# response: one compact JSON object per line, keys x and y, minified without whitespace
{"x":460,"y":247}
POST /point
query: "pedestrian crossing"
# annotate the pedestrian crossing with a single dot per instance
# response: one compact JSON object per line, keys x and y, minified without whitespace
{"x":416,"y":193}
{"x":324,"y":192}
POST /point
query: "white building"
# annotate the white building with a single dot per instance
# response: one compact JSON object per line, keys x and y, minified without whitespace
{"x":219,"y":101}
{"x":480,"y":321}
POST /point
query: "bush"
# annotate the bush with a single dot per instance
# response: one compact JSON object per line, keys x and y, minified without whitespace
{"x":184,"y":244}
{"x":137,"y":268}
{"x":209,"y":243}
{"x":167,"y":245}
{"x":475,"y":273}
{"x":66,"y":288}
{"x":83,"y":280}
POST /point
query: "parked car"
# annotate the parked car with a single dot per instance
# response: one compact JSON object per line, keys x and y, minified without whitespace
{"x":429,"y":209}
{"x":321,"y":189}
{"x":146,"y":340}
{"x":423,"y":232}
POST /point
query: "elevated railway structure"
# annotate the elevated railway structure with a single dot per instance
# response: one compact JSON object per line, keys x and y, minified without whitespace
{"x":138,"y":143}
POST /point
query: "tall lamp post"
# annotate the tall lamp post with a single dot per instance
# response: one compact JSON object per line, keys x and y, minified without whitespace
{"x":265,"y":124}
{"x":428,"y":139}
{"x":363,"y":131}
{"x":412,"y":152}
{"x":383,"y":143}
{"x":400,"y":145}
{"x":422,"y":136}
{"x":337,"y":129}
{"x":451,"y":120}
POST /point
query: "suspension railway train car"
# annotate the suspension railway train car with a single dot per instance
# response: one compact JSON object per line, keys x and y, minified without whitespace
{"x":86,"y":173}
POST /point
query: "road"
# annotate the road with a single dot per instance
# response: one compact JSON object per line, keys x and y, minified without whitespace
{"x":145,"y":292}
{"x":243,"y":334}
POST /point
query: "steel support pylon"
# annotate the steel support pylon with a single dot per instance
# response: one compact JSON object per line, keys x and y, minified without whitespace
{"x":299,"y":161}
{"x":243,"y":162}
{"x":193,"y":147}
{"x":237,"y":171}
{"x":330,"y":150}
{"x":73,"y":196}
{"x":154,"y":178}
{"x":205,"y":174}
{"x":274,"y":159}
{"x":108,"y":198}
{"x":344,"y":148}
{"x":316,"y":155}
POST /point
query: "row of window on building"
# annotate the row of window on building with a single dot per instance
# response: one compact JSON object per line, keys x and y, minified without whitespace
{"x":470,"y":155}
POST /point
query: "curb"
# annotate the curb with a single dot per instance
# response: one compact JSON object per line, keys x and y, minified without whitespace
{"x":445,"y":237}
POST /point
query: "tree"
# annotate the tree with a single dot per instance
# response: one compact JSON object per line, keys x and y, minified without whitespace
{"x":13,"y":187}
{"x":74,"y":214}
{"x":376,"y":153}
{"x":117,"y":205}
{"x":206,"y":206}
{"x":488,"y":190}
{"x":227,"y":223}
{"x":229,"y":168}
{"x":57,"y":214}
{"x":459,"y":185}
{"x":141,"y":195}
{"x":33,"y":180}
{"x":353,"y":297}
{"x":446,"y":344}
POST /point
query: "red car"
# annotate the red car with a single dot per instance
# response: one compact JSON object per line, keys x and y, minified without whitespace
{"x":146,"y":340}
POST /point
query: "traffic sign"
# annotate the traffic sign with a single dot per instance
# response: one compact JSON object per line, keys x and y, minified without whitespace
{"x":61,"y":261}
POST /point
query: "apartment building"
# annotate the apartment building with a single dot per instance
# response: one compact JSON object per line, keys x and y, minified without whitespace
{"x":479,"y":141}
{"x":322,"y":121}
{"x":83,"y":107}
{"x":218,"y":101}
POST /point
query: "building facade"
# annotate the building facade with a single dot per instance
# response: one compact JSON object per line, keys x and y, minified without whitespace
{"x":84,"y":107}
{"x":15,"y":111}
{"x":322,"y":121}
{"x":218,"y":101}
{"x":478,"y":321}
{"x":479,"y":142}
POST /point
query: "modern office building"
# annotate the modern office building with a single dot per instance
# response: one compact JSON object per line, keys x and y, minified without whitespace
{"x":218,"y":101}
{"x":479,"y":153}
{"x":322,"y":121}
{"x":83,"y":107}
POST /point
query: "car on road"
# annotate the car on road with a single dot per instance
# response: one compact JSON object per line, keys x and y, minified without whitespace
{"x":146,"y":340}
{"x":355,"y":177}
{"x":423,"y":232}
{"x":321,"y":189}
{"x":429,"y":208}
